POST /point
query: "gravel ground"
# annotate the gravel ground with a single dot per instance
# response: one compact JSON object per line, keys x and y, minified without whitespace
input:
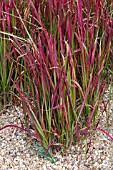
{"x":19,"y":152}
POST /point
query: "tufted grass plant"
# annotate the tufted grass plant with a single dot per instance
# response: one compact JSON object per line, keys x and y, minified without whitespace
{"x":8,"y":70}
{"x":60,"y":49}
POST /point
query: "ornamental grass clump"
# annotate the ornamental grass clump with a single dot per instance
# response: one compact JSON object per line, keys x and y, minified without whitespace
{"x":60,"y":49}
{"x":7,"y":64}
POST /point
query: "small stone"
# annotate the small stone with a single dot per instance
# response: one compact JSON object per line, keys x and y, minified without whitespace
{"x":94,"y":168}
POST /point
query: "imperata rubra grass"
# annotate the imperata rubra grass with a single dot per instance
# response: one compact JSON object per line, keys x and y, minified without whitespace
{"x":59,"y":49}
